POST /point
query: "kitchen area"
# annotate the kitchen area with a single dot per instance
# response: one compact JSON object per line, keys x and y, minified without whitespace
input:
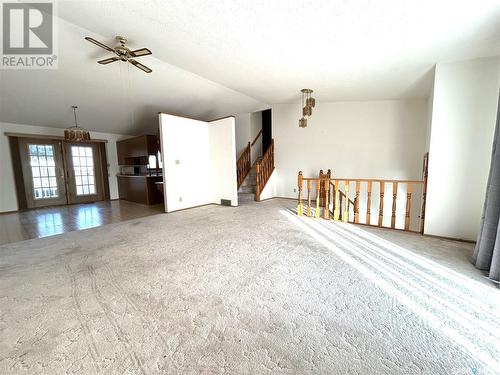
{"x":140,"y":179}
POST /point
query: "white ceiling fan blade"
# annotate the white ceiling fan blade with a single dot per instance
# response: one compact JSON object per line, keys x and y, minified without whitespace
{"x":97,"y":43}
{"x":140,"y":66}
{"x":108,"y":61}
{"x":140,"y":52}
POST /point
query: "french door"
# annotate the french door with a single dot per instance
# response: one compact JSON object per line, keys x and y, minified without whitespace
{"x":43,"y":172}
{"x":56,"y":172}
{"x":83,"y":172}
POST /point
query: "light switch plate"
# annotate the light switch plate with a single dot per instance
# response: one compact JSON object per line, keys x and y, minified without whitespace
{"x":180,"y":199}
{"x":177,"y":162}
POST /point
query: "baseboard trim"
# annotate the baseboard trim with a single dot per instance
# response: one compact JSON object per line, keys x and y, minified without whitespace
{"x":10,"y":212}
{"x":449,"y":238}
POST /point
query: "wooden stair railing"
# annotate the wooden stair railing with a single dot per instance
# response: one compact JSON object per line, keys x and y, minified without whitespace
{"x":244,"y":162}
{"x":257,"y":137}
{"x":243,"y":165}
{"x":336,"y":193}
{"x":264,"y":167}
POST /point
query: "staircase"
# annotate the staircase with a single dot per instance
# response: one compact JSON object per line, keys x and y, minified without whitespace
{"x":249,"y":183}
{"x":253,"y":179}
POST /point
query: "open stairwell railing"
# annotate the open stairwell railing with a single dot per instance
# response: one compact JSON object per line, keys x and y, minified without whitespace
{"x":263,"y":169}
{"x":332,"y":196}
{"x":244,"y":162}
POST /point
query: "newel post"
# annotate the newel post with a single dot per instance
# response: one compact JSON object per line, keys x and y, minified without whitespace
{"x":424,"y":192}
{"x":299,"y":204}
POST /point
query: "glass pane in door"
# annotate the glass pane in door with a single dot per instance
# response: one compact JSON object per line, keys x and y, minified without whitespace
{"x":83,"y":167}
{"x":43,"y":171}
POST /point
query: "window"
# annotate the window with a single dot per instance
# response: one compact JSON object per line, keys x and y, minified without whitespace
{"x":83,"y":166}
{"x":43,"y":171}
{"x":152,"y":161}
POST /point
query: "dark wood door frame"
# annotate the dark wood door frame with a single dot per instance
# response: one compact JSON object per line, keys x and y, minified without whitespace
{"x":15,"y":142}
{"x":71,"y":184}
{"x":27,"y":172}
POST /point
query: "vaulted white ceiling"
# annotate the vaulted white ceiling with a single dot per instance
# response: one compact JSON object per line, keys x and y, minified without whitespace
{"x":215,"y":58}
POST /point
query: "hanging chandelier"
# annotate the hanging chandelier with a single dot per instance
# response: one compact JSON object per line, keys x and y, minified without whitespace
{"x":76,"y":133}
{"x":308,"y":103}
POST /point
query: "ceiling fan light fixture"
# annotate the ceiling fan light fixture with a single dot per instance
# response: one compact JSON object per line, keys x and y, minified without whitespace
{"x":123,"y":53}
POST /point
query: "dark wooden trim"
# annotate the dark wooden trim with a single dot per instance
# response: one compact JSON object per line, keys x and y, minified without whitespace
{"x":104,"y":171}
{"x":66,"y":172}
{"x":18,"y":177}
{"x":52,"y":137}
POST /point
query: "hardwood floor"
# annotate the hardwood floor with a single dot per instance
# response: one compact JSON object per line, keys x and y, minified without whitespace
{"x":42,"y":222}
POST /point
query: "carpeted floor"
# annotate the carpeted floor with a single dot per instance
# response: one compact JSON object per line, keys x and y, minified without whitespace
{"x":247,"y":290}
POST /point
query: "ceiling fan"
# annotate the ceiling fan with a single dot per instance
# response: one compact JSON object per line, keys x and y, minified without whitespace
{"x":123,"y":53}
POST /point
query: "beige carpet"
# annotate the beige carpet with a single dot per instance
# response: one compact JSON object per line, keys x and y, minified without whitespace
{"x":247,"y":290}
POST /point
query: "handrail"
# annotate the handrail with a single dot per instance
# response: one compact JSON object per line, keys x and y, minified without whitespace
{"x":340,"y":188}
{"x":257,"y":137}
{"x":263,"y":170}
{"x":343,"y":195}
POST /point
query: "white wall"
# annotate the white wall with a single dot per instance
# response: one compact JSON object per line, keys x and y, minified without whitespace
{"x":269,"y":190}
{"x":186,"y":162}
{"x":371,"y":139}
{"x":242,"y":132}
{"x":198,"y":161}
{"x":8,"y":198}
{"x":463,"y":124}
{"x":222,"y":160}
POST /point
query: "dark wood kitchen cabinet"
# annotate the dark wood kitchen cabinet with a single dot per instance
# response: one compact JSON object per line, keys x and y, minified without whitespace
{"x":135,"y":151}
{"x":140,"y":189}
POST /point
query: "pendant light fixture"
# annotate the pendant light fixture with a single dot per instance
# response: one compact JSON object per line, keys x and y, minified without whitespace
{"x":76,"y":133}
{"x":308,"y":103}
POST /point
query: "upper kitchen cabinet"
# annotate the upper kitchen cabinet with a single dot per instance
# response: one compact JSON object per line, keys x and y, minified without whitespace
{"x":135,"y":151}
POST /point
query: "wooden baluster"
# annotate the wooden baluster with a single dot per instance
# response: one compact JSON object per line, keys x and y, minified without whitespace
{"x":309,"y":187}
{"x":322,"y":189}
{"x":326,"y":210}
{"x":424,"y":192}
{"x":257,"y":181}
{"x":318,"y":188}
{"x":346,"y":212}
{"x":381,"y":205}
{"x":299,"y":204}
{"x":394,"y":200}
{"x":409,"y":190}
{"x":368,"y":202}
{"x":356,"y":203}
{"x":337,"y":203}
{"x":340,"y":207}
